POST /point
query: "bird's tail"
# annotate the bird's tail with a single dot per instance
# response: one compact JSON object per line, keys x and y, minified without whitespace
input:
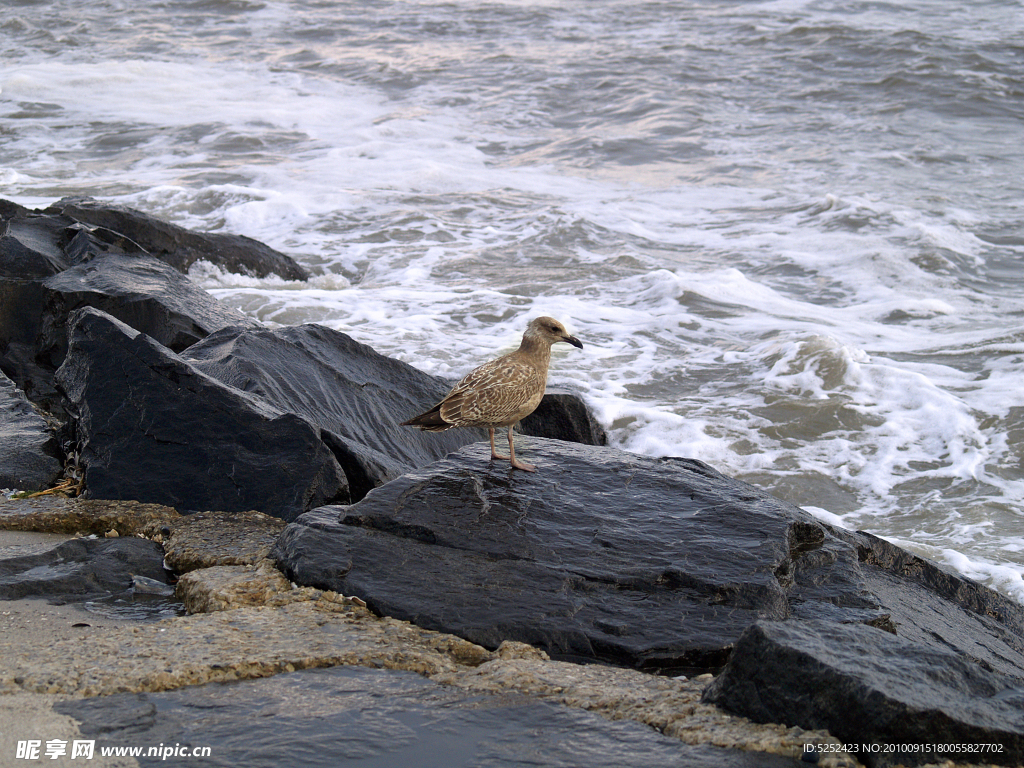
{"x":430,"y":421}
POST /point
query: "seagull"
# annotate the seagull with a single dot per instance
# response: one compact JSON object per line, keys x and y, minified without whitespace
{"x":501,"y":392}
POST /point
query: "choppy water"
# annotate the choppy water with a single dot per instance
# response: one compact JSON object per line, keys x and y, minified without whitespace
{"x":789,"y":233}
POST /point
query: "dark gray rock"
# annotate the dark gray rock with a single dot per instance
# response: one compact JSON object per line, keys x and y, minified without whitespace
{"x":872,"y":690}
{"x":178,"y":246}
{"x":356,"y":716}
{"x":608,"y":555}
{"x":152,"y":428}
{"x":81,"y":569}
{"x":32,"y":246}
{"x":601,"y":554}
{"x":931,"y":606}
{"x":50,"y":265}
{"x":562,"y":415}
{"x":29,"y":454}
{"x":144,"y":293}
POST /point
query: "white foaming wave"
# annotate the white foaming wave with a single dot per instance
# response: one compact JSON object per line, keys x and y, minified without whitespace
{"x":303,"y":146}
{"x":1005,"y":577}
{"x":10,"y":177}
{"x":839,"y":521}
{"x":914,"y":427}
{"x":182,"y":93}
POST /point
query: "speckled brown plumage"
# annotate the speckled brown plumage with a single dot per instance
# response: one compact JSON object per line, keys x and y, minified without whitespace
{"x":503,"y":391}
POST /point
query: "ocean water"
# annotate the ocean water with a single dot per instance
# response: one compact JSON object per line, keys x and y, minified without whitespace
{"x":789,"y":233}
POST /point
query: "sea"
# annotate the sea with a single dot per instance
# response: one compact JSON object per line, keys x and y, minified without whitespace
{"x":790,"y":233}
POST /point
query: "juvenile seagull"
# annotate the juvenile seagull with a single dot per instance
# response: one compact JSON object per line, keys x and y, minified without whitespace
{"x":503,"y":391}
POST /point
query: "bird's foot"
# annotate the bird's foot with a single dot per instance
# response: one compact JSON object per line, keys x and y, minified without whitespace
{"x":495,"y":455}
{"x":517,"y":464}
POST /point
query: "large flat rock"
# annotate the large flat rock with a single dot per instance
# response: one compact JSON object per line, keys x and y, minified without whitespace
{"x":601,"y":554}
{"x":81,"y":568}
{"x":606,"y":555}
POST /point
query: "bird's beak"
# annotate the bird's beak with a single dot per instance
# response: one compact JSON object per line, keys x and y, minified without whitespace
{"x":574,"y":341}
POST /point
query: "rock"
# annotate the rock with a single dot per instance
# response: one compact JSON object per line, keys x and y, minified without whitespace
{"x":928,"y":605}
{"x":180,"y":247}
{"x":151,"y":427}
{"x":606,"y":555}
{"x":510,"y":649}
{"x":18,"y":543}
{"x":313,"y":631}
{"x":34,"y":246}
{"x":29,"y":455}
{"x":600,"y":555}
{"x":354,"y":395}
{"x":883,"y":694}
{"x":145,"y":294}
{"x":81,"y":568}
{"x":562,"y":415}
{"x":50,"y":266}
{"x":350,"y":715}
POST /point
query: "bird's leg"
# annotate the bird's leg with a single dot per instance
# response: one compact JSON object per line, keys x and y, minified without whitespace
{"x":512,"y":456}
{"x":494,"y":452}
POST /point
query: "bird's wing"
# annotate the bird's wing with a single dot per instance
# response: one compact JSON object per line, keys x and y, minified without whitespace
{"x":492,"y":393}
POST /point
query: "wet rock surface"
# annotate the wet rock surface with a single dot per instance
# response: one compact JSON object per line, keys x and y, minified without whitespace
{"x":80,"y":569}
{"x":30,"y":458}
{"x":870,"y":687}
{"x":151,"y":427}
{"x":336,"y":716}
{"x":652,"y":563}
{"x":259,"y":625}
{"x":930,"y":606}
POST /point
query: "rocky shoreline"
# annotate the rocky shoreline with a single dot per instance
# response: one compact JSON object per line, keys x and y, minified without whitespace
{"x":313,"y":546}
{"x":247,"y":621}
